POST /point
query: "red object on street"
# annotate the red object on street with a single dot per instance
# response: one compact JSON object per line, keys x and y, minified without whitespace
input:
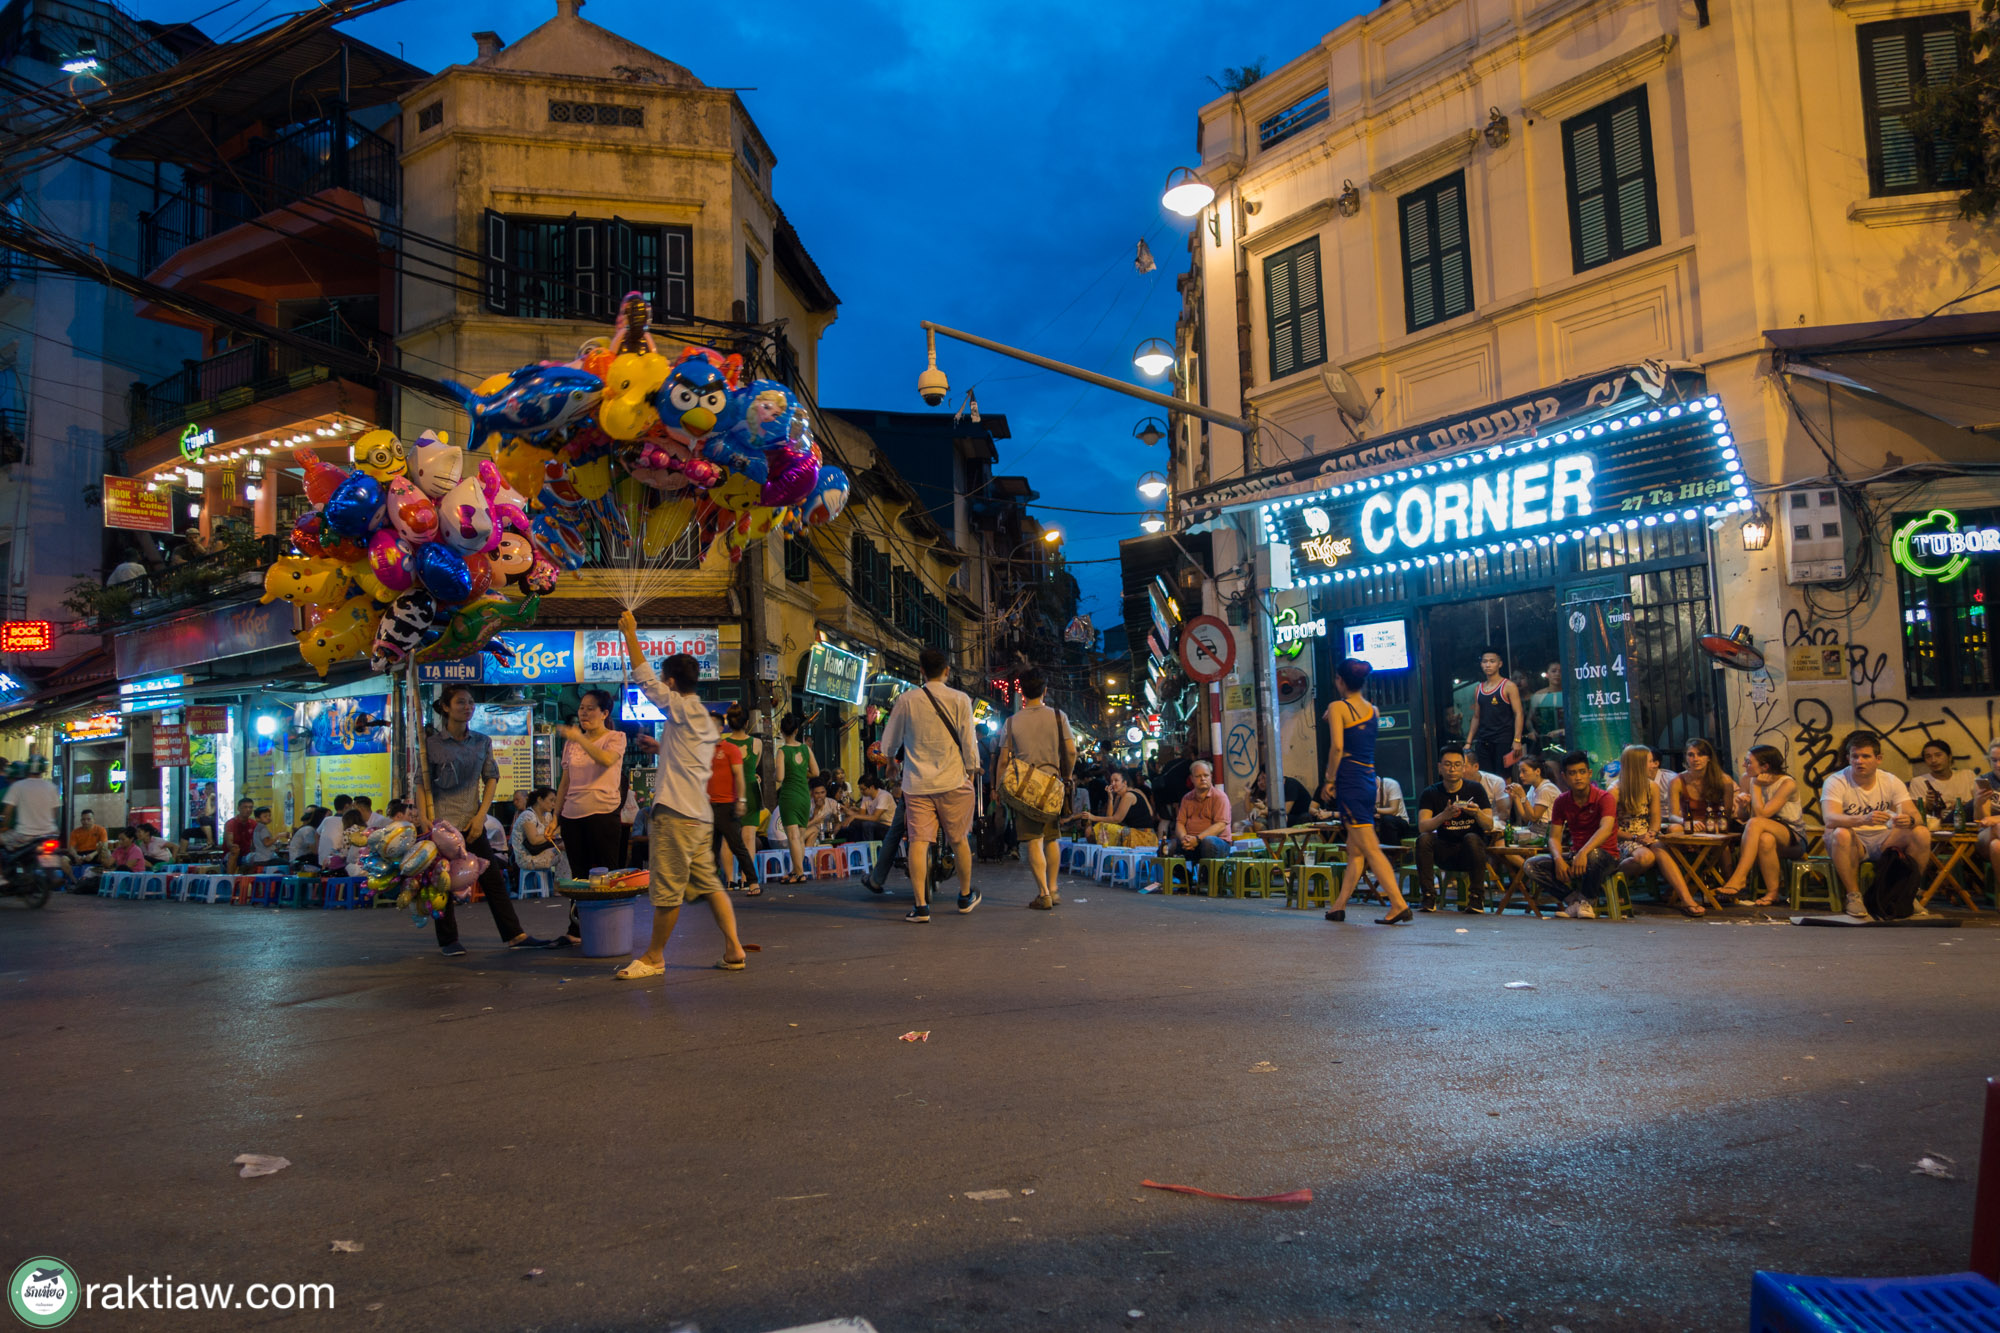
{"x":1986,"y":1199}
{"x":1293,"y":1198}
{"x":27,"y":636}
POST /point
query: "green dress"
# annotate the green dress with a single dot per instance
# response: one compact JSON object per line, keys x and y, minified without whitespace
{"x":794,"y":796}
{"x":754,"y":805}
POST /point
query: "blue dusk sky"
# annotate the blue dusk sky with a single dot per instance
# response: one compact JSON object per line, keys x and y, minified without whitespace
{"x":989,"y":167}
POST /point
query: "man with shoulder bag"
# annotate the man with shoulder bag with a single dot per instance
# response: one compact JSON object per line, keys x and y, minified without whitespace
{"x":932,"y":725}
{"x":1032,"y":773}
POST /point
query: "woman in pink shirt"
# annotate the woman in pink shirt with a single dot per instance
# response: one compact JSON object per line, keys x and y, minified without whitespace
{"x":587,"y":799}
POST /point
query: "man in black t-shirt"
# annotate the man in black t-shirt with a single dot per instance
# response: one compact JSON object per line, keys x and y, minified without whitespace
{"x":1453,"y":820}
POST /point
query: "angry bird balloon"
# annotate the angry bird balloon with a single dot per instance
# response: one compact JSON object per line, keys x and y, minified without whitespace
{"x":696,"y":398}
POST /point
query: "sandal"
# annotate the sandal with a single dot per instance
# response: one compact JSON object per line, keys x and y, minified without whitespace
{"x":726,"y":966}
{"x":639,"y":969}
{"x":1695,"y":910}
{"x":753,"y":890}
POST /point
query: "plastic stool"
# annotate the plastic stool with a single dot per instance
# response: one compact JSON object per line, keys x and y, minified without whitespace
{"x":240,"y":887}
{"x":1063,"y":846}
{"x":828,"y":863}
{"x":264,"y":889}
{"x":1114,"y":864}
{"x":1259,"y":875}
{"x":772,"y":858}
{"x":1789,"y":1303}
{"x":113,"y":883}
{"x":152,"y":885}
{"x":1083,"y":858}
{"x":210,"y":888}
{"x":1817,"y":868}
{"x":860,"y":856}
{"x":295,"y":891}
{"x":1325,"y":876}
{"x":343,"y":892}
{"x":1617,"y":896}
{"x":1145,"y":868}
{"x":538,"y":883}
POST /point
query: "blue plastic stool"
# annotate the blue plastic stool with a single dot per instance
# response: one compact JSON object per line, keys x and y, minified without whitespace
{"x":771,"y":857}
{"x":1114,"y":866}
{"x":296,"y":890}
{"x":208,"y":888}
{"x":343,"y":892}
{"x":264,"y":889}
{"x":860,"y":856}
{"x":538,"y":883}
{"x":152,"y":885}
{"x":1952,"y":1303}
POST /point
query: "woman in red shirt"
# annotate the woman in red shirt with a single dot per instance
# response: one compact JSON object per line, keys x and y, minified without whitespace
{"x":728,"y":798}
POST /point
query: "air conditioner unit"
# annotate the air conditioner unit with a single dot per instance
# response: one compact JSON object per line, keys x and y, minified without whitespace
{"x":1815,"y":528}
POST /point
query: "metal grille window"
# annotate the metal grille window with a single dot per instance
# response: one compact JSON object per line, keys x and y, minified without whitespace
{"x":430,"y":117}
{"x":580,"y":268}
{"x":1307,"y":111}
{"x":1614,"y":207}
{"x":1292,"y":309}
{"x":751,"y":159}
{"x":1897,"y":58}
{"x":591,"y":113}
{"x":1947,"y":639}
{"x":798,"y":563}
{"x":1437,"y":261}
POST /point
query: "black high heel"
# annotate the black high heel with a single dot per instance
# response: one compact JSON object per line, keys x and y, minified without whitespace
{"x":1402,"y":918}
{"x":1336,"y":914}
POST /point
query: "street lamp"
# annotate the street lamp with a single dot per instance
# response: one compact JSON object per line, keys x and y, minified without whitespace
{"x":1153,"y":358}
{"x":1186,"y":193}
{"x":1052,"y":535}
{"x":1152,"y":485}
{"x":1149,"y":432}
{"x":1153,"y":522}
{"x":1756,"y":529}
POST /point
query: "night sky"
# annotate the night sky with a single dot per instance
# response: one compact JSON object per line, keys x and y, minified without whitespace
{"x":989,"y":167}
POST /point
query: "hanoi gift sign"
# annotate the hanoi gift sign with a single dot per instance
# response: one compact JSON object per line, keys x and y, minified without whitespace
{"x":1635,"y":468}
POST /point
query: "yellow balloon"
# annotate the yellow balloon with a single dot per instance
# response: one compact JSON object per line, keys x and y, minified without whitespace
{"x":592,"y":480}
{"x":521,"y":465}
{"x":665,"y":523}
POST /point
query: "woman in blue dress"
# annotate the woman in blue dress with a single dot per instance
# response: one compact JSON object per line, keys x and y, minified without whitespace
{"x":1351,"y":722}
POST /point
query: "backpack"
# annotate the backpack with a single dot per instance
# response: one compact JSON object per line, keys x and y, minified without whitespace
{"x":1893,"y":894}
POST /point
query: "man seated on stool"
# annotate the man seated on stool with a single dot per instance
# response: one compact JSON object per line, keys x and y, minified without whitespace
{"x":1453,"y":818}
{"x":1868,"y":814}
{"x":1201,"y":830}
{"x":871,"y":814}
{"x":1581,"y":825}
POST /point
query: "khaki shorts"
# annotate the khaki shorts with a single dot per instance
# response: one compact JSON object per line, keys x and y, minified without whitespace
{"x":950,"y":811}
{"x":1032,"y":828}
{"x":682,"y":861}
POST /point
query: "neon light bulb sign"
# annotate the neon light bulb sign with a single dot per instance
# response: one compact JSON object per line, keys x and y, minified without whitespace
{"x":1510,"y":500}
{"x":1935,"y":547}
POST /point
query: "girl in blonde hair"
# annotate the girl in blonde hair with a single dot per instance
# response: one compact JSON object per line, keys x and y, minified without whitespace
{"x":1639,"y":830}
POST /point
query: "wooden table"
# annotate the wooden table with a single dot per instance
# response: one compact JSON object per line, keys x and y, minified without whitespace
{"x":1962,"y":847}
{"x":1692,"y":853}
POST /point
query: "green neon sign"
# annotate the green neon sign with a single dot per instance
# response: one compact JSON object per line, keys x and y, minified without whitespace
{"x":195,"y":441}
{"x":1935,"y":547}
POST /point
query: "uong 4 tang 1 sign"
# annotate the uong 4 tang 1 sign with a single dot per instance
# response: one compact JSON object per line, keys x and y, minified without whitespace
{"x":1636,"y":467}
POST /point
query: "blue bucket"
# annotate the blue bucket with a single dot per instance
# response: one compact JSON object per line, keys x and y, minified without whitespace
{"x":607,"y":927}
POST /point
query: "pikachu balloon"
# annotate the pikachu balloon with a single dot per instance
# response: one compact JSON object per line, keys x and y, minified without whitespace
{"x":346,"y":633}
{"x":305,"y":581}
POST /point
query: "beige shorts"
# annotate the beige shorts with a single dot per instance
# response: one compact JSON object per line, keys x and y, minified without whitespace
{"x":950,"y":811}
{"x":682,"y":861}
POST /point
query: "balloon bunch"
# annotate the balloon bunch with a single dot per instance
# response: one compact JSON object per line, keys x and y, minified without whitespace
{"x":408,"y":557}
{"x":429,"y":869}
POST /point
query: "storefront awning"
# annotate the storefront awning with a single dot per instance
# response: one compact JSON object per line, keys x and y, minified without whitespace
{"x":1947,"y":368}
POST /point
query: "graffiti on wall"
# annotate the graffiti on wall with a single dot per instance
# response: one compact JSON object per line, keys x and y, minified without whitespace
{"x":1812,"y":733}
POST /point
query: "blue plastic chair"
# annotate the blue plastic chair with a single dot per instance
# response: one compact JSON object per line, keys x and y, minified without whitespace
{"x":1951,"y":1303}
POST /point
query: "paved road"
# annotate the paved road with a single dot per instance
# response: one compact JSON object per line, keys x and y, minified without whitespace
{"x":1675,"y":1105}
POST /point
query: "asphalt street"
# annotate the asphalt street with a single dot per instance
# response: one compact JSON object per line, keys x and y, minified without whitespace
{"x":519,"y":1141}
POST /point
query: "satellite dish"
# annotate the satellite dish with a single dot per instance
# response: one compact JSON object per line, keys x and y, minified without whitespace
{"x":1347,"y":395}
{"x":1293,"y":684}
{"x":1735,"y":649}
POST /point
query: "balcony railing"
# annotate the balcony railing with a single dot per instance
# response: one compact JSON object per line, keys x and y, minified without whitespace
{"x":246,"y":374}
{"x":232,"y":572}
{"x":319,"y":155}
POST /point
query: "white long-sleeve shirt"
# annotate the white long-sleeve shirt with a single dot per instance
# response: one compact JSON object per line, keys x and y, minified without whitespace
{"x":687,"y":747}
{"x":936,"y":758}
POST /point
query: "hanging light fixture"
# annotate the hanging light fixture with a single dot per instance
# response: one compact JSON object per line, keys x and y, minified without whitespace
{"x":1150,"y":431}
{"x":1153,"y":358}
{"x":1152,"y":485}
{"x":1186,"y":193}
{"x":1154,"y":521}
{"x":1756,"y":529}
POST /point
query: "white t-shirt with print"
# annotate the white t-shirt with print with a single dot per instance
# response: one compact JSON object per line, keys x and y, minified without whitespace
{"x":1841,"y":795}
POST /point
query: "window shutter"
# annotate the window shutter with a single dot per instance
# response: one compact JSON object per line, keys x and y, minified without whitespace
{"x":1614,"y":205}
{"x":1280,"y":313}
{"x":1454,"y":260}
{"x":676,"y":271}
{"x":619,"y":265}
{"x":1896,"y":148}
{"x":1898,"y":57}
{"x":1419,"y":284}
{"x":1437,"y":259}
{"x":499,"y":290}
{"x":1306,"y":300}
{"x":585,"y":273}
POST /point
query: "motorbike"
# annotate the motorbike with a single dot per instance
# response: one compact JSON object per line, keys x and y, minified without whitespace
{"x":33,"y":870}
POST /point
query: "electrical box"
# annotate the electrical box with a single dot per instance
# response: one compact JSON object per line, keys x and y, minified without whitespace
{"x":1815,"y":528}
{"x":1274,"y":567}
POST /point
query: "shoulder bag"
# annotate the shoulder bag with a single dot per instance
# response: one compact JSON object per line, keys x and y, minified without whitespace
{"x":1035,"y":790}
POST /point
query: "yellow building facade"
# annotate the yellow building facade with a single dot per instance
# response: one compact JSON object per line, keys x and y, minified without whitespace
{"x":1455,"y":225}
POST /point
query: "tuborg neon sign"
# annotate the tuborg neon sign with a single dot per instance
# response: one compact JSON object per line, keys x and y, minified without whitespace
{"x":1632,"y":469}
{"x":1936,"y":547}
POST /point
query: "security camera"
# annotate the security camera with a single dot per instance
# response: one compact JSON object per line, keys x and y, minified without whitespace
{"x":933,"y":386}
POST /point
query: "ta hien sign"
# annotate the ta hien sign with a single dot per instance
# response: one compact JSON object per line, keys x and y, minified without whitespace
{"x":1638,"y":466}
